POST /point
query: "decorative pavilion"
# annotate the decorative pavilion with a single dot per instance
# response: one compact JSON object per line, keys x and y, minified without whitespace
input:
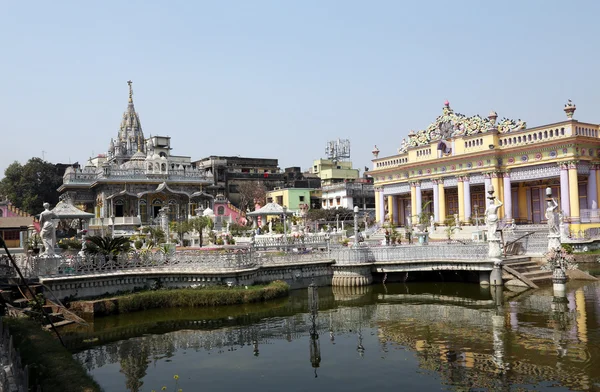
{"x":269,"y":209}
{"x":447,"y":168}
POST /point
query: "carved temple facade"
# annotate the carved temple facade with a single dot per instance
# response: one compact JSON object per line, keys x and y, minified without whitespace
{"x":135,"y":179}
{"x":448,"y":168}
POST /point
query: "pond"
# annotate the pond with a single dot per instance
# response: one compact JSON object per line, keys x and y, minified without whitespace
{"x":418,"y":336}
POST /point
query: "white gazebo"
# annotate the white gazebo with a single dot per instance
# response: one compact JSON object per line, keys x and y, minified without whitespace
{"x":269,"y":209}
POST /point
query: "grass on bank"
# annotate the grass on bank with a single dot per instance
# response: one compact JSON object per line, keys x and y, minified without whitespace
{"x":193,"y":297}
{"x":51,"y":365}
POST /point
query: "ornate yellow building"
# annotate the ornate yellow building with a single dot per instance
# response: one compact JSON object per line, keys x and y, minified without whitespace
{"x":454,"y":161}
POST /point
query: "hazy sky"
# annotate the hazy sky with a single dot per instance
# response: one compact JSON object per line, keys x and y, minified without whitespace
{"x":280,"y":78}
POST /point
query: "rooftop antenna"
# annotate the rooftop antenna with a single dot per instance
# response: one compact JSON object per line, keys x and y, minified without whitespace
{"x":43,"y":155}
{"x":338,"y":150}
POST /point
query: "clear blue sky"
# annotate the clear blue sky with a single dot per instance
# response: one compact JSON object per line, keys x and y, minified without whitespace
{"x":280,"y":78}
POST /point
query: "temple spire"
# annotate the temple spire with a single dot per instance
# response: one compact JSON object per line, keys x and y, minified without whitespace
{"x":129,"y":82}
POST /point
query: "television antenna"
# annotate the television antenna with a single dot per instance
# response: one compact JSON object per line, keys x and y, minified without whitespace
{"x":338,"y":150}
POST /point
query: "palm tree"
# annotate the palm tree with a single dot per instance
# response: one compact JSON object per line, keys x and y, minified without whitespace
{"x":107,"y":245}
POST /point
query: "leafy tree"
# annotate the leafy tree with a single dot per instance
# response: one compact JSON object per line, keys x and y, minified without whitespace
{"x":199,"y":223}
{"x":250,"y":191}
{"x":157,"y":235}
{"x":29,"y":186}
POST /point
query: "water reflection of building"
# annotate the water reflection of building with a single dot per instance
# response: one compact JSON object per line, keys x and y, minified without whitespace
{"x":487,"y":345}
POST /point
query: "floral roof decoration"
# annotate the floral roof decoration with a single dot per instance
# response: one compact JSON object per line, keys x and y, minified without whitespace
{"x":450,"y":124}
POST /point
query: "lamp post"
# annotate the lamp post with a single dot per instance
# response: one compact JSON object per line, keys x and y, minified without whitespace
{"x":284,"y":223}
{"x":476,"y":219}
{"x":355,"y":245}
{"x":113,"y":225}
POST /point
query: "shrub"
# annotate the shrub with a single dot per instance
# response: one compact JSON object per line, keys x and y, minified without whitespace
{"x":138,"y":244}
{"x":568,"y":248}
{"x":209,"y":296}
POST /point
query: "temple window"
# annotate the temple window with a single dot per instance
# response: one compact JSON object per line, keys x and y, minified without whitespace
{"x":545,"y":134}
{"x":540,"y":136}
{"x":163,"y":167}
{"x":500,"y":142}
{"x":551,"y":132}
{"x":519,"y":139}
{"x":535,"y":136}
{"x":221,"y":210}
{"x":562,"y":131}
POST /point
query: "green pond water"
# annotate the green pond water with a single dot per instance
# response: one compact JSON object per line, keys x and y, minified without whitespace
{"x":410,"y":337}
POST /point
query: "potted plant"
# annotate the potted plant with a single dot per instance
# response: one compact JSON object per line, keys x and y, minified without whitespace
{"x":34,"y":243}
{"x":423,"y":218}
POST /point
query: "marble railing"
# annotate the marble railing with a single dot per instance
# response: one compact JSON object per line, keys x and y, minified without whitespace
{"x":410,"y":253}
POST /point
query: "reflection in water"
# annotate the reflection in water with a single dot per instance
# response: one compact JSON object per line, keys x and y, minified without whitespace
{"x":451,"y":334}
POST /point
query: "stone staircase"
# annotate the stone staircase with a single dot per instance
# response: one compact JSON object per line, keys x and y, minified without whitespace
{"x":18,"y":301}
{"x":524,"y":271}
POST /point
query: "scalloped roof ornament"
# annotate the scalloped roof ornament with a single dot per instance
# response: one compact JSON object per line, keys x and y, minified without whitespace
{"x":450,"y":124}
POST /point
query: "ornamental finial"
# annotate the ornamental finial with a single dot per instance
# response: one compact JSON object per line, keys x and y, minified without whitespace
{"x":129,"y":82}
{"x":570,"y":109}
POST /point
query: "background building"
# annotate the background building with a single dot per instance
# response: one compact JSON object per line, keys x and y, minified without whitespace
{"x":137,"y":177}
{"x":13,"y":225}
{"x":228,"y":172}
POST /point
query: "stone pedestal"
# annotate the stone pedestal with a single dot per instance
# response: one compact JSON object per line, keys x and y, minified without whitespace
{"x":553,"y":241}
{"x":559,"y":280}
{"x":494,"y":251}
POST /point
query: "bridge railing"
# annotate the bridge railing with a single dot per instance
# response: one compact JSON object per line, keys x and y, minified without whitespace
{"x":184,"y":261}
{"x":410,"y":253}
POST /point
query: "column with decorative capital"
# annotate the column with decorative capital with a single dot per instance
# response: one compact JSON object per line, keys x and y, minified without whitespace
{"x":436,"y":198}
{"x":461,"y":199}
{"x":413,"y":202}
{"x":442,"y":200}
{"x":394,"y":213}
{"x":507,"y":198}
{"x":419,"y":198}
{"x":381,"y":199}
{"x":467,"y":197}
{"x":496,"y":176}
{"x":487,"y":181}
{"x":573,"y":192}
{"x":592,"y":195}
{"x":565,"y":204}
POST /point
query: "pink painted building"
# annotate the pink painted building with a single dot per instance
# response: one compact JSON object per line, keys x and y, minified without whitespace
{"x":226,"y":212}
{"x":13,"y":224}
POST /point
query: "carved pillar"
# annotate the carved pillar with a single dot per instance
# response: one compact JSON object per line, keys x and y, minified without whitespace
{"x":395,"y":220}
{"x":573,"y":192}
{"x":487,"y":180}
{"x":381,"y":198}
{"x":507,"y":197}
{"x":436,"y":202}
{"x":565,"y":204}
{"x":592,"y":195}
{"x":467,"y":186}
{"x":461,"y":199}
{"x":413,"y":201}
{"x":419,"y":198}
{"x":442,"y":200}
{"x":522,"y":208}
{"x":496,"y":183}
{"x":390,"y":209}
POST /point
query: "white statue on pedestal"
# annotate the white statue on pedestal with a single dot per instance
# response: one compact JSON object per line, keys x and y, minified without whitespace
{"x":270,"y":227}
{"x":431,"y":224}
{"x":491,"y":218}
{"x":553,"y":225}
{"x":48,"y":231}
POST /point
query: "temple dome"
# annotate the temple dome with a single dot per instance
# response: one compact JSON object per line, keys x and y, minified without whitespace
{"x":138,"y":156}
